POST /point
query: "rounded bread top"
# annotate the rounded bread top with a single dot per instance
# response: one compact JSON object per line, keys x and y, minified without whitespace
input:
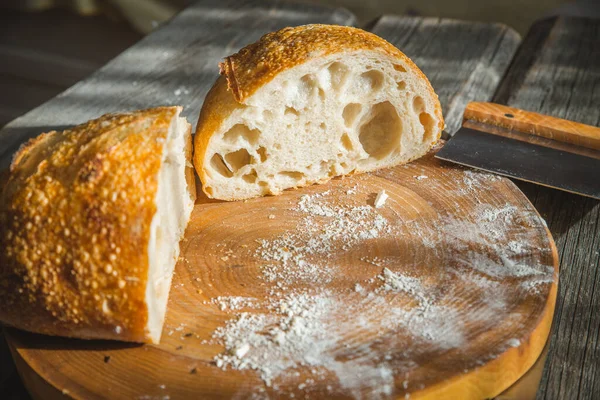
{"x":260,"y":62}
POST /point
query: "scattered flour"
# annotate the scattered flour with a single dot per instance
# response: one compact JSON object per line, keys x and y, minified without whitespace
{"x":234,"y":302}
{"x":352,"y":190}
{"x":492,"y":214}
{"x":401,"y":283}
{"x":532,"y":286}
{"x":476,"y":179}
{"x":517,"y":247}
{"x":307,"y":326}
{"x":291,"y":257}
{"x":376,"y":261}
{"x":297,"y":332}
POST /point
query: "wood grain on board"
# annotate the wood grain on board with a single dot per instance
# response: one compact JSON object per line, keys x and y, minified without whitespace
{"x":175,"y":65}
{"x":557,"y":72}
{"x":464,"y":61}
{"x":474,"y":319}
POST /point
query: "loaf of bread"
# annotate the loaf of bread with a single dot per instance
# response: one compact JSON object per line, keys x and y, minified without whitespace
{"x":305,"y":104}
{"x":90,"y":223}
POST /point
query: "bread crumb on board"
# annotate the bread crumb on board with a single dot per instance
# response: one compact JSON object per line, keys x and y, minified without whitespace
{"x":381,"y":199}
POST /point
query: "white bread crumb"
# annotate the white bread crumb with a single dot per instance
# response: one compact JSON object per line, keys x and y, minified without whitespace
{"x":381,"y":199}
{"x":242,"y":350}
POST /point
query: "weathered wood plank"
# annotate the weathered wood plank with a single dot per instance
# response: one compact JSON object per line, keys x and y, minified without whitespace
{"x":176,"y":64}
{"x":557,"y":72}
{"x":463,"y":60}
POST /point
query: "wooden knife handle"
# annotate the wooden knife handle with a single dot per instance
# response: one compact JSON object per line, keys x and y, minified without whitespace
{"x":532,"y":123}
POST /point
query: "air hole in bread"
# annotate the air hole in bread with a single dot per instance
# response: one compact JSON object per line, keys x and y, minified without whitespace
{"x":218,"y":165}
{"x":263,"y":184}
{"x":323,"y":165}
{"x":308,"y":85}
{"x":322,"y":126}
{"x":292,"y":174}
{"x":338,"y":74}
{"x":418,"y":104}
{"x":291,"y":112}
{"x":350,"y":113}
{"x":399,"y":68}
{"x":401,"y":85}
{"x":347,"y":142}
{"x":262,"y":153}
{"x":238,"y":159}
{"x":321,"y":94}
{"x":267,"y":115}
{"x":381,"y":134}
{"x":372,"y":80}
{"x":333,"y":170}
{"x":241,"y":131}
{"x":428,"y":124}
{"x":208,"y":190}
{"x":250,"y":177}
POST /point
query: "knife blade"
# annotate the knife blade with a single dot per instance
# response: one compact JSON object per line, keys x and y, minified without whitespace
{"x":532,"y":147}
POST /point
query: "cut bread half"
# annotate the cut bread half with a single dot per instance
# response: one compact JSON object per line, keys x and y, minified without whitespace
{"x":305,"y":104}
{"x":90,"y":223}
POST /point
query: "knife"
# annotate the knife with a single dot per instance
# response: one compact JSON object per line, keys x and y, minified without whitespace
{"x":528,"y":146}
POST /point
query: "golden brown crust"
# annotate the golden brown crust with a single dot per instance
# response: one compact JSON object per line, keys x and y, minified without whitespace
{"x":190,"y":176}
{"x":218,"y":104}
{"x":75,"y":221}
{"x":258,"y":63}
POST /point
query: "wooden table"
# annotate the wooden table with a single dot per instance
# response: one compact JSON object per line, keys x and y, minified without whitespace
{"x":555,"y":70}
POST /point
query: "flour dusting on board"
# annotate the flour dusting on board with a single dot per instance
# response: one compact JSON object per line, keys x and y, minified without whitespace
{"x":297,"y":332}
{"x":303,"y":332}
{"x":290,"y":257}
{"x":233,"y":302}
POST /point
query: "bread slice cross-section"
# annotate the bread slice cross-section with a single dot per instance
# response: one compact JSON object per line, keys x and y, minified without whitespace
{"x":90,"y":223}
{"x":305,"y":104}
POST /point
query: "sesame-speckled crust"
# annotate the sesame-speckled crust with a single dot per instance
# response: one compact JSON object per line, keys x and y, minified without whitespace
{"x":75,"y":220}
{"x":243,"y":73}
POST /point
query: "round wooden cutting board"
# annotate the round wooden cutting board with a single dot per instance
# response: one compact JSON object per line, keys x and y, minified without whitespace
{"x":447,"y":290}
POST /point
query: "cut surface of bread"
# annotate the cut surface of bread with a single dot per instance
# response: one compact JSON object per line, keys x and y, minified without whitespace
{"x":305,"y":104}
{"x":90,"y":223}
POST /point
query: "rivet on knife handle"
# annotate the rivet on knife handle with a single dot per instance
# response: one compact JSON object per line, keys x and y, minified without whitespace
{"x":532,"y":123}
